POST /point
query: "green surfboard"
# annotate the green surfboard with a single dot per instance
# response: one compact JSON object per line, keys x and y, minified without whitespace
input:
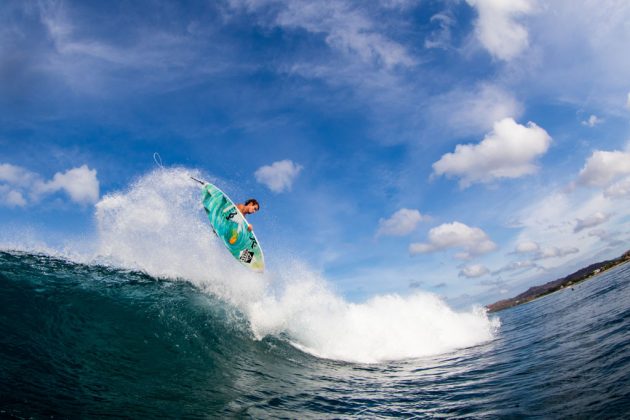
{"x":231,"y":227}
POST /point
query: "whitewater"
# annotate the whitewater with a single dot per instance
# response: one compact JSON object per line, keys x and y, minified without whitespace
{"x":156,"y":226}
{"x":153,"y":318}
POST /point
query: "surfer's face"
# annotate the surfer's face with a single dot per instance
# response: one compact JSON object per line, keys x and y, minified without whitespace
{"x":250,"y":208}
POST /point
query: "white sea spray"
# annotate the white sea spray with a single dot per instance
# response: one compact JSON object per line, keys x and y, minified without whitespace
{"x":157,"y":225}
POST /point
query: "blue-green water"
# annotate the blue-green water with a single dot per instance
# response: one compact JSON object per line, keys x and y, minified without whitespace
{"x":90,"y":341}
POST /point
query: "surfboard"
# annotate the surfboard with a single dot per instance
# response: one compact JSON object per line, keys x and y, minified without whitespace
{"x":231,"y":227}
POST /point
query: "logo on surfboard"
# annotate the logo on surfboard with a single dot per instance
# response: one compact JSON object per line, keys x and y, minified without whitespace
{"x":230,"y":215}
{"x":246,"y":256}
{"x":232,"y":228}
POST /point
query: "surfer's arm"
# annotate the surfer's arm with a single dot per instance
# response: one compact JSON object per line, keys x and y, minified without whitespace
{"x":250,"y":227}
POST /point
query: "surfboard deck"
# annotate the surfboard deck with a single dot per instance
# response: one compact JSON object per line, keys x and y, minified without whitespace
{"x":231,"y":227}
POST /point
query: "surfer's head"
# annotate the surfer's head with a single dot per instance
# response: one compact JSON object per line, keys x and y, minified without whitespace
{"x":251,"y":206}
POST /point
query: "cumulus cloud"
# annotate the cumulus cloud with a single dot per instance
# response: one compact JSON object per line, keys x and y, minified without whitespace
{"x":526,"y":247}
{"x":592,"y":121}
{"x":473,"y":271}
{"x":81,"y":184}
{"x":506,"y":152}
{"x":16,"y":175}
{"x":593,"y":220}
{"x":555,"y":252}
{"x":536,"y":252}
{"x":602,"y":167}
{"x":278,"y":176}
{"x":472,"y":240}
{"x":497,"y":28}
{"x":401,"y":223}
{"x":10,"y":197}
{"x":619,"y":189}
{"x":14,"y":180}
{"x":19,"y":186}
{"x":15,"y":198}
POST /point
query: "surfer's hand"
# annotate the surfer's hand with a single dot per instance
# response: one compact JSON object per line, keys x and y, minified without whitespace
{"x":250,"y":227}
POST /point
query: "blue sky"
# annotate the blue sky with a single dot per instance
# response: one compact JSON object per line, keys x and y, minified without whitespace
{"x":467,"y":148}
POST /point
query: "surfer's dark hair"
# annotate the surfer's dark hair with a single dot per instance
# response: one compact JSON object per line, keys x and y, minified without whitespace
{"x":253,"y":201}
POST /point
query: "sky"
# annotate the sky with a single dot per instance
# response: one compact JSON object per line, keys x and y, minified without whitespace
{"x":465,"y":148}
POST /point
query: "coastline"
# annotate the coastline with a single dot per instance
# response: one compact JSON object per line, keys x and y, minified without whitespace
{"x":536,"y":292}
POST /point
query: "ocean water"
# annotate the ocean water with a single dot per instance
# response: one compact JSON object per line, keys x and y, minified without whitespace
{"x":139,"y":328}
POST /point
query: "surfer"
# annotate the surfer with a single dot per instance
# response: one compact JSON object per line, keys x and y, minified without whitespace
{"x":251,"y":206}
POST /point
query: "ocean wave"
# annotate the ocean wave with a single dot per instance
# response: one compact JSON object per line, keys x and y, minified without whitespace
{"x":156,"y":226}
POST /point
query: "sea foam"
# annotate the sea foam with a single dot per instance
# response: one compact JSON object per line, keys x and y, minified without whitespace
{"x":157,"y":225}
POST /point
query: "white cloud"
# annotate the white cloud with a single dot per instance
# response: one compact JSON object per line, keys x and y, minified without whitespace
{"x":602,"y":167}
{"x":550,"y":219}
{"x":345,"y":28}
{"x":599,"y":233}
{"x":14,"y":182}
{"x":539,"y":253}
{"x":81,"y":184}
{"x":517,"y":265}
{"x":401,"y":223}
{"x":10,"y":197}
{"x":472,"y":240}
{"x":526,"y":247}
{"x":473,"y":111}
{"x":89,"y":61}
{"x":278,"y":176}
{"x":473,"y":271}
{"x":497,"y":28}
{"x":506,"y":152}
{"x":593,"y":220}
{"x":619,"y":189}
{"x":555,"y":252}
{"x":16,"y":175}
{"x":592,"y":121}
{"x":628,"y":101}
{"x":440,"y":38}
{"x":15,"y":198}
{"x":536,"y":252}
{"x":610,"y":238}
{"x":17,"y":183}
{"x":569,"y":32}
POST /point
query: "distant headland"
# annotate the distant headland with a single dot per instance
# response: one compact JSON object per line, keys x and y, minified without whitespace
{"x":535,"y":292}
